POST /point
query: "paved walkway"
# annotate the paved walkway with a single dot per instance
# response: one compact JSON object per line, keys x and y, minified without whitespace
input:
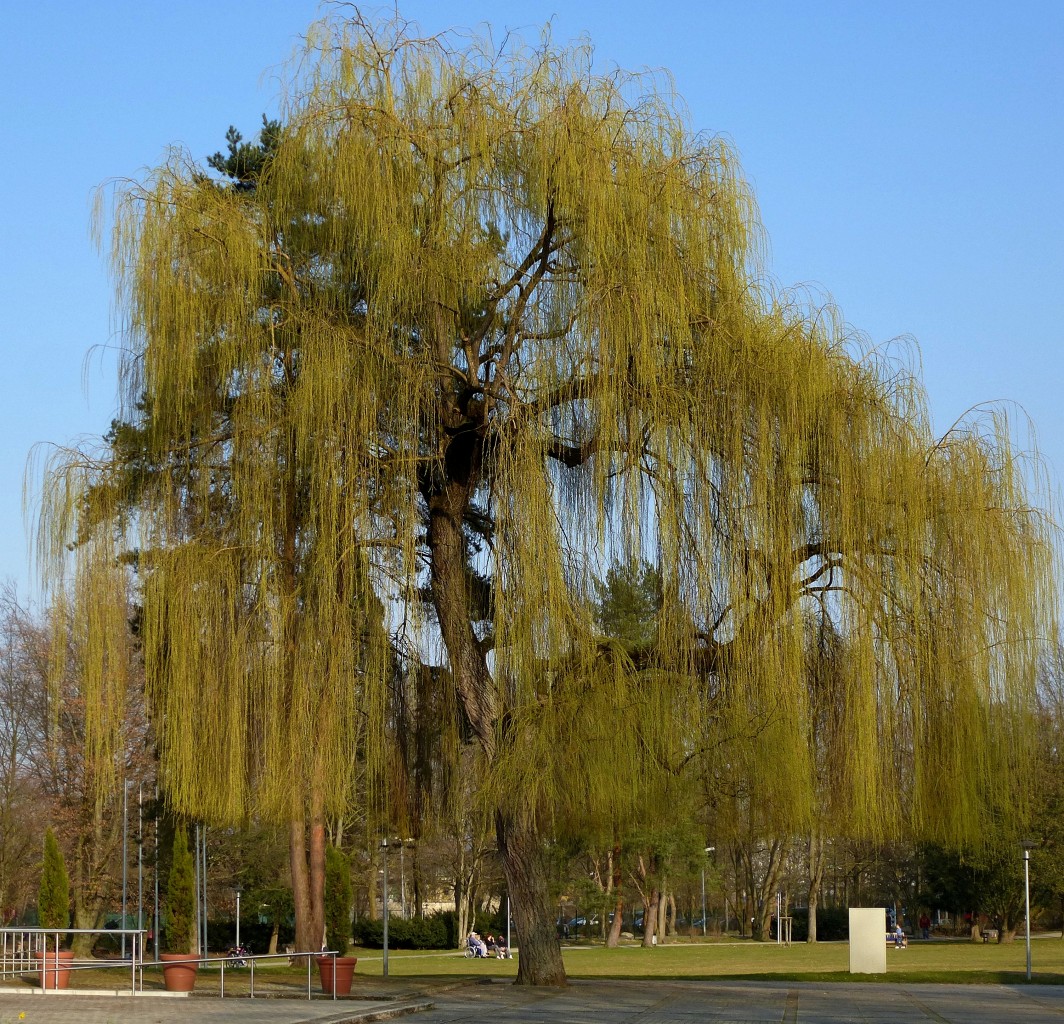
{"x":64,"y":1008}
{"x":586,"y":1002}
{"x":727,"y":1002}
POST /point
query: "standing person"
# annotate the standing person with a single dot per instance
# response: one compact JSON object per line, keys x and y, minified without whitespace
{"x":925,"y":926}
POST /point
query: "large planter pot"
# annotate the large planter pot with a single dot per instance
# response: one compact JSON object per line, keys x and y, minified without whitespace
{"x":340,"y":979}
{"x":179,"y":971}
{"x":54,"y":973}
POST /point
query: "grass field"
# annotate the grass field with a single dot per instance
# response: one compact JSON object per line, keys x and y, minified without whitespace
{"x":935,"y":961}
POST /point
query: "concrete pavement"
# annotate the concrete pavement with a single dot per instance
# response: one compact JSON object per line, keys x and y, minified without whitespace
{"x":75,"y":1008}
{"x":737,"y":1002}
{"x":584,"y":1002}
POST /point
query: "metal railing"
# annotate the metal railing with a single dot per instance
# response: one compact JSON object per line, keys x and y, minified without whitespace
{"x":35,"y":951}
{"x":250,"y":959}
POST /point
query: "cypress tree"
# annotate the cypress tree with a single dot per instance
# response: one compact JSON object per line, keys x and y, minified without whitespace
{"x":180,"y":898}
{"x":337,"y":900}
{"x":53,"y":900}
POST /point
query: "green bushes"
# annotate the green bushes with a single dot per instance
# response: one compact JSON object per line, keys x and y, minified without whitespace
{"x":439,"y":931}
{"x":412,"y":933}
{"x":832,"y":924}
{"x":254,"y":935}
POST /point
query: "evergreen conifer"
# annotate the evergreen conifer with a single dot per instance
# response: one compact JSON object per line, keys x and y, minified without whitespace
{"x":180,"y":899}
{"x":53,"y":899}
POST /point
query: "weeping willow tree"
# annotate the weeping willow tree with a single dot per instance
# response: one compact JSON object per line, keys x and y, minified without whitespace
{"x":488,"y":322}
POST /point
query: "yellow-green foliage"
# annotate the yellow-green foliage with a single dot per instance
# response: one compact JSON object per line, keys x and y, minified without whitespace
{"x":458,"y":246}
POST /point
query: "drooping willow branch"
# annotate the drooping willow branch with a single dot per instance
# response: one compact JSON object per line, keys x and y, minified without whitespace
{"x":486,"y":324}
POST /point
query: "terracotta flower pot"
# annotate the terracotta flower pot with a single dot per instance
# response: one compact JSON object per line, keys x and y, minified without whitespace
{"x":345,"y":968}
{"x":179,"y":971}
{"x":54,"y":973}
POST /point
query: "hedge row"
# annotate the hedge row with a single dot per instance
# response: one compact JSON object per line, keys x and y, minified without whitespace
{"x":438,"y":931}
{"x":832,"y":924}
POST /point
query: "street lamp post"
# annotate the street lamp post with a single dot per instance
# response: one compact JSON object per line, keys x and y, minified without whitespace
{"x":155,"y":911}
{"x":238,"y":890}
{"x":384,"y":847}
{"x":140,"y":861}
{"x":125,"y":859}
{"x":1027,"y":844}
{"x":709,"y":849}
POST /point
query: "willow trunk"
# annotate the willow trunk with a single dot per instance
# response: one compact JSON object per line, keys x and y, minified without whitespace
{"x":520,"y":843}
{"x":613,"y":937}
{"x":816,"y":878}
{"x":650,"y":917}
{"x":523,"y":857}
{"x":306,"y":850}
{"x":766,"y":892}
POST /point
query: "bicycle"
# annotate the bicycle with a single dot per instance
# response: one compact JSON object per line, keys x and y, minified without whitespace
{"x":237,"y":956}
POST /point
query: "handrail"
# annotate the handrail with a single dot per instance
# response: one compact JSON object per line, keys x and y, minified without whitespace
{"x":16,"y":957}
{"x":252,"y":957}
{"x":37,"y":930}
{"x":19,"y":947}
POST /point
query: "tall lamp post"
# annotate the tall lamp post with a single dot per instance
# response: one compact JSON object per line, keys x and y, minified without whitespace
{"x":1027,"y":846}
{"x":384,"y":847}
{"x":237,"y":890}
{"x":709,"y":849}
{"x":125,"y":859}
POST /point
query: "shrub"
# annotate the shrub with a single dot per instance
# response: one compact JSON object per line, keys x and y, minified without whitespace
{"x":485,"y":923}
{"x":255,"y":936}
{"x":832,"y":924}
{"x":53,"y":899}
{"x":415,"y":933}
{"x":369,"y":933}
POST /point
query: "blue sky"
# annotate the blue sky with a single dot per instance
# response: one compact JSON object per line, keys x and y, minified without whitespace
{"x":907,"y":159}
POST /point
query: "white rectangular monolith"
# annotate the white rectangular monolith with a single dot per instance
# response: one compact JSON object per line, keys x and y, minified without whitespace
{"x":868,"y":940}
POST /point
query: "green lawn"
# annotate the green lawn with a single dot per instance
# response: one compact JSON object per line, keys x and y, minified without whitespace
{"x":935,"y":961}
{"x":938,"y":961}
